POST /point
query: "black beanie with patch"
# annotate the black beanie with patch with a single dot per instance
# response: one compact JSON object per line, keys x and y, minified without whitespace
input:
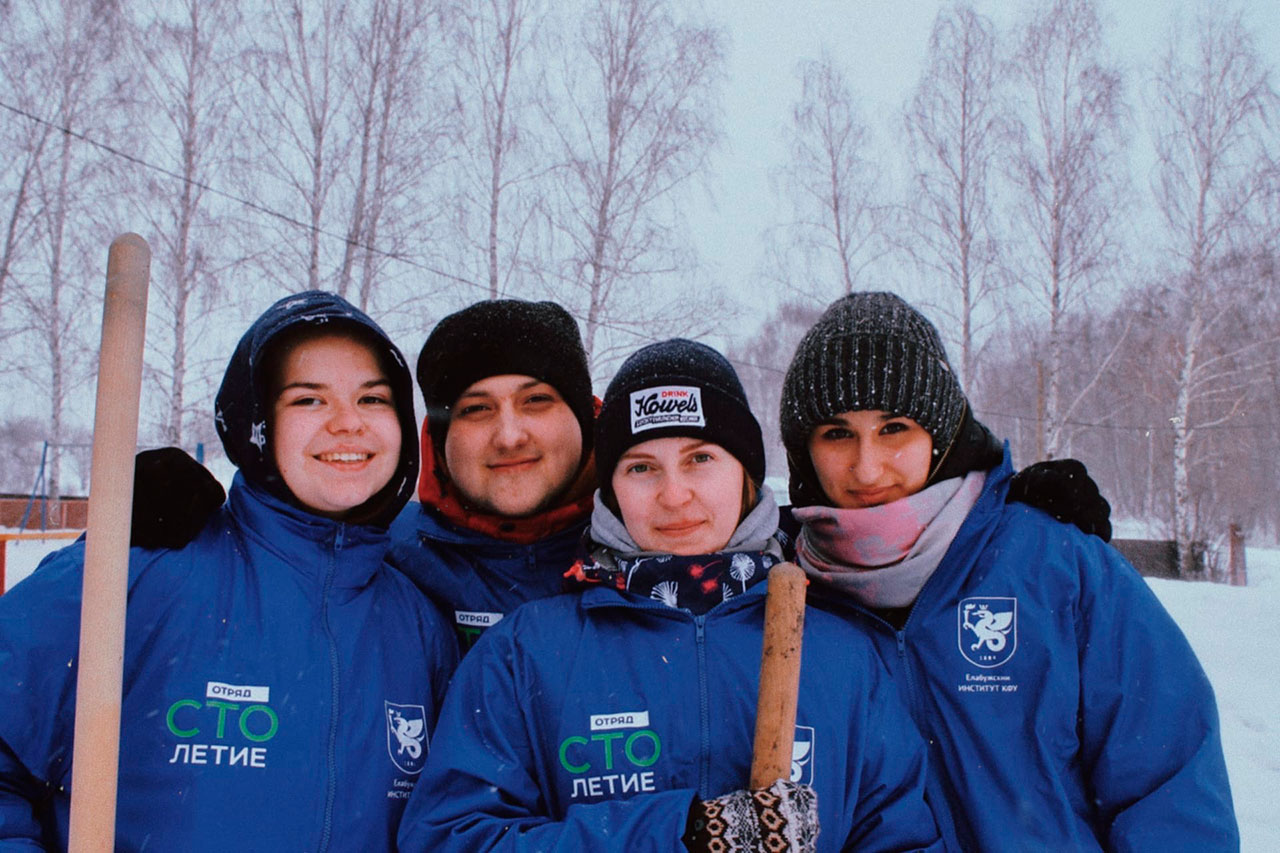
{"x":501,"y":337}
{"x":677,"y":388}
{"x":873,"y":351}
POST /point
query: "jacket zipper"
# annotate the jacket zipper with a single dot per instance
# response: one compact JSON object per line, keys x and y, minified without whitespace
{"x":334,"y":673}
{"x":704,"y":700}
{"x":704,"y":704}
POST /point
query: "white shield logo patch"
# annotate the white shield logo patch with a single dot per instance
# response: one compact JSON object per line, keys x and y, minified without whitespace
{"x":988,"y":630}
{"x":406,"y":736}
{"x":802,"y":756}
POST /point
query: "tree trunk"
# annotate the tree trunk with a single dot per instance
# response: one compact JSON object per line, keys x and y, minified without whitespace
{"x":1183,"y":511}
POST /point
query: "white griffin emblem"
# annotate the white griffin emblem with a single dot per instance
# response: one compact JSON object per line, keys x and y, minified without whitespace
{"x":406,"y":735}
{"x":802,"y":755}
{"x":988,"y":629}
{"x":409,"y":733}
{"x":991,"y":629}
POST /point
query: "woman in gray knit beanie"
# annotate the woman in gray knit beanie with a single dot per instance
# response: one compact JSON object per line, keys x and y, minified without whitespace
{"x":873,"y":351}
{"x":1064,"y":708}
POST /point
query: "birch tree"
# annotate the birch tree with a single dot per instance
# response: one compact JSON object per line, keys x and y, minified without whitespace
{"x":1065,"y":168}
{"x":1214,"y":100}
{"x":498,"y":80}
{"x":399,"y":126}
{"x":297,"y":64}
{"x":187,"y":98}
{"x":73,"y":43}
{"x":838,"y":208}
{"x":24,"y":138}
{"x":953,"y":127}
{"x":635,"y":125}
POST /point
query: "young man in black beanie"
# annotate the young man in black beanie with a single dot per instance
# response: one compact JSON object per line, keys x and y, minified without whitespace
{"x":507,"y":476}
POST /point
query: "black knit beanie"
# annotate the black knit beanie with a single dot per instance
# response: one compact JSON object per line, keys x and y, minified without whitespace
{"x":504,"y":336}
{"x":677,"y":388}
{"x":874,"y":351}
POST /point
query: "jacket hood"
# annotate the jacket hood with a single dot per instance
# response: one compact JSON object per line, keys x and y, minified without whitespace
{"x":242,"y":408}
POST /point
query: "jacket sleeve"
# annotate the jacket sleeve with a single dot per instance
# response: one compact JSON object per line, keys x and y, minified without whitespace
{"x":19,"y":826}
{"x":1150,"y":735}
{"x":39,"y":638}
{"x":480,"y":791}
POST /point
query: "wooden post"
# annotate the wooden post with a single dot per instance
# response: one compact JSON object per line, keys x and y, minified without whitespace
{"x":779,"y":675}
{"x":95,"y":760}
{"x":1237,"y":572}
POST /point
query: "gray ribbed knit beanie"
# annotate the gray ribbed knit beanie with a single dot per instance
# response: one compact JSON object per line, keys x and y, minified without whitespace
{"x":868,"y":351}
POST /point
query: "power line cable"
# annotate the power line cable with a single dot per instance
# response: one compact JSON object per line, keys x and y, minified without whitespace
{"x":641,"y":336}
{"x":284,"y":217}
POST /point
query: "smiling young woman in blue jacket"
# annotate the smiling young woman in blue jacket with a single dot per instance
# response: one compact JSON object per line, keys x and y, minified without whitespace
{"x":620,"y":718}
{"x":1063,"y":708}
{"x":280,"y":681}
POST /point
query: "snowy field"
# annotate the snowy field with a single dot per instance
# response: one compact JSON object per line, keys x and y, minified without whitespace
{"x":1236,"y":633}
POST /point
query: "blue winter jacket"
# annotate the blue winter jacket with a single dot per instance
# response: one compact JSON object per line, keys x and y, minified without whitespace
{"x":279,"y":684}
{"x":476,"y":578}
{"x":590,"y":722}
{"x":1063,"y":707}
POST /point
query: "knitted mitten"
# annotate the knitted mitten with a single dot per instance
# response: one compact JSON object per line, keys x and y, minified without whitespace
{"x":782,"y":817}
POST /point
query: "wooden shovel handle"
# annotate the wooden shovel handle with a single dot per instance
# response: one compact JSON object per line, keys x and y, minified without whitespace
{"x":106,"y":556}
{"x":779,"y":675}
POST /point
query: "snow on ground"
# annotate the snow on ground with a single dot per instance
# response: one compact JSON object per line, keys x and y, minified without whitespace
{"x":22,"y":557}
{"x":1234,"y":630}
{"x":1236,"y":634}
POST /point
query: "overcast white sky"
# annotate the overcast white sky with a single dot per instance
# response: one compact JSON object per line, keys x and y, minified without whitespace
{"x":882,"y":45}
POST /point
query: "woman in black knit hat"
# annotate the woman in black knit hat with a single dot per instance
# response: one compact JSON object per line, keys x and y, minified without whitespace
{"x":1064,"y":708}
{"x":620,"y":718}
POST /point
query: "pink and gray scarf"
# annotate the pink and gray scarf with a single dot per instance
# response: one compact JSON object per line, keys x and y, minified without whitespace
{"x":882,"y":556}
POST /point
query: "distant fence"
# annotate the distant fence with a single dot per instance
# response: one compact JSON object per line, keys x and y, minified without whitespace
{"x":1158,"y":558}
{"x":68,"y":512}
{"x":6,"y":538}
{"x":65,"y":518}
{"x":1153,"y":558}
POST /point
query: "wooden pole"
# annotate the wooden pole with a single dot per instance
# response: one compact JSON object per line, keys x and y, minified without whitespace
{"x":779,"y":675}
{"x":1237,"y":575}
{"x":95,"y":760}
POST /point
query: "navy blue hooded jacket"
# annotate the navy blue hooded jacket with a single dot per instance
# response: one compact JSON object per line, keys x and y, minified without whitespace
{"x":280,"y":680}
{"x":1063,"y":707}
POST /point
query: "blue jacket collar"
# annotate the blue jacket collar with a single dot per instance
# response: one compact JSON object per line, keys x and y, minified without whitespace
{"x":305,"y":541}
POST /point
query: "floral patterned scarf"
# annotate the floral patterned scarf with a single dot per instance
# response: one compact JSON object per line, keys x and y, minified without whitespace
{"x":695,"y":583}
